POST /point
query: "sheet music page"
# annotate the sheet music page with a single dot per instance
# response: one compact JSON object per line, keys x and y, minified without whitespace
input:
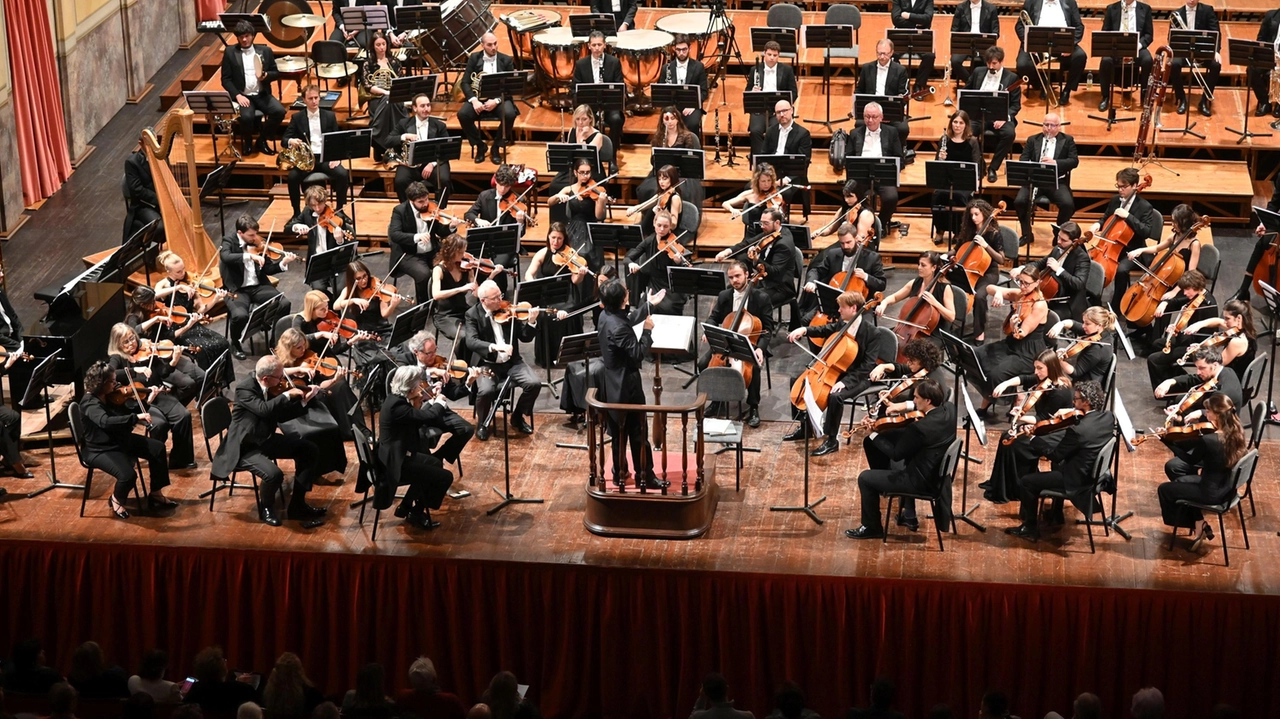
{"x":670,"y":332}
{"x":1126,"y":424}
{"x":816,"y":415}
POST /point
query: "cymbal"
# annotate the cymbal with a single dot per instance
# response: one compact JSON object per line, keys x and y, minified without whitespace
{"x":293,"y":63}
{"x":303,"y":20}
{"x":335,"y":70}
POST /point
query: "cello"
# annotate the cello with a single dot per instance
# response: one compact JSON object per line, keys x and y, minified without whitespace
{"x":920,"y":318}
{"x":837,"y":356}
{"x":975,"y":260}
{"x":845,"y":282}
{"x":1140,"y":301}
{"x":743,"y":322}
{"x":1049,"y":283}
{"x":1114,"y":237}
{"x":1268,"y":267}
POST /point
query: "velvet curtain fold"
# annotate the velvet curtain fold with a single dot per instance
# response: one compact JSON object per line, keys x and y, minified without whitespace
{"x":209,"y":9}
{"x":43,"y":155}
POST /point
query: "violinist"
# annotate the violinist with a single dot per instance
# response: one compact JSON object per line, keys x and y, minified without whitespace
{"x":486,"y":61}
{"x":415,"y":239}
{"x":178,"y":289}
{"x":852,"y":210}
{"x":497,"y":344}
{"x":650,"y":258}
{"x":244,"y":266}
{"x":923,"y":358}
{"x":1208,"y":369}
{"x":959,"y":144}
{"x":747,"y":204}
{"x":384,"y":116}
{"x":1051,"y":147}
{"x":1235,"y":334}
{"x":728,"y":303}
{"x":585,"y":202}
{"x":666,"y":178}
{"x":168,"y":413}
{"x":435,"y":175}
{"x":1205,"y":479}
{"x":315,"y":310}
{"x":308,"y":128}
{"x":1089,"y":356}
{"x":439,"y":384}
{"x":886,"y":77}
{"x":845,"y":256}
{"x":152,"y":321}
{"x":1190,"y":294}
{"x":371,"y":302}
{"x":875,"y":138}
{"x":1134,"y":210}
{"x":771,"y":76}
{"x":487,"y":210}
{"x":1046,"y":390}
{"x":994,"y":78}
{"x":1183,"y":220}
{"x":1069,"y":264}
{"x":1024,"y":332}
{"x":324,"y":420}
{"x":543,"y":265}
{"x":779,"y":257}
{"x":597,"y":67}
{"x":325,"y":229}
{"x":939,"y":294}
{"x":111,"y":446}
{"x":621,"y":356}
{"x":982,"y":228}
{"x":583,"y":132}
{"x":452,"y":287}
{"x":854,"y":380}
{"x":405,"y":414}
{"x":10,"y":419}
{"x":1072,"y":455}
{"x":908,"y":460}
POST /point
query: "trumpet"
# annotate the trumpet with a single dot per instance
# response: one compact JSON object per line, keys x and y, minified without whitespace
{"x":1042,"y":74}
{"x":1176,"y":19}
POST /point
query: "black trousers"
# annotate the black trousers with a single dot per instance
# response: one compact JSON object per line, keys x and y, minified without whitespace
{"x":338,"y":177}
{"x":1004,"y":143}
{"x":523,"y":379}
{"x":923,"y":70}
{"x":753,"y":387}
{"x":417,"y":269}
{"x":428,"y":481}
{"x":1209,"y":71}
{"x":248,"y":298}
{"x":467,"y":117}
{"x":272,"y":112}
{"x":119,"y":463}
{"x":1029,"y":488}
{"x":1161,"y":366}
{"x":693,"y":121}
{"x":261,"y":460}
{"x":874,"y":482}
{"x":437,"y":182}
{"x":877,"y":459}
{"x":1260,"y":83}
{"x":1075,"y":68}
{"x":888,"y":201}
{"x":171,"y":419}
{"x":139,"y":216}
{"x":630,"y":428}
{"x":1106,"y":71}
{"x":835,"y":407}
{"x":756,"y":127}
{"x":10,"y":436}
{"x":1120,"y":284}
{"x":1061,"y":197}
{"x":186,"y":378}
{"x":460,"y":432}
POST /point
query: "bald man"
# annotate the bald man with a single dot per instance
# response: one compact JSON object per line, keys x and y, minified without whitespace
{"x":1051,"y":147}
{"x":486,"y":61}
{"x":787,"y":137}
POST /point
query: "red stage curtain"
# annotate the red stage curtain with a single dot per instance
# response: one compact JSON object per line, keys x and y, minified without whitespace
{"x":596,"y":642}
{"x":209,"y":9}
{"x":37,"y":100}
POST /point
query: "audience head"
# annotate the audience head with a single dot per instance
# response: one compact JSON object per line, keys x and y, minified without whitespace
{"x":139,"y":705}
{"x":285,"y":693}
{"x":789,"y":700}
{"x":882,"y":692}
{"x":1087,"y":706}
{"x":210,"y":665}
{"x":422,"y":675}
{"x":326,"y":710}
{"x":1148,"y":703}
{"x":502,"y":696}
{"x":154,"y":664}
{"x":87,"y":662}
{"x":371,"y":685}
{"x":715,"y":688}
{"x":28,"y":654}
{"x":62,"y":701}
{"x":994,"y":705}
{"x":249,"y":710}
{"x":480,"y":711}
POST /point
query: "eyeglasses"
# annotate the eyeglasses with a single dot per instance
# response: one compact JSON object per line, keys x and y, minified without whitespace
{"x":1122,"y":187}
{"x":1026,"y":283}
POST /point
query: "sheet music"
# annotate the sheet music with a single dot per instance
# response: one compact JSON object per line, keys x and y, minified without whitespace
{"x":816,"y":415}
{"x":671,"y":333}
{"x":1125,"y":423}
{"x":974,"y":417}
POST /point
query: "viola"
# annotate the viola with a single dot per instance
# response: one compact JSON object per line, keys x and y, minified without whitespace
{"x":266,"y":249}
{"x":1115,"y":235}
{"x":745,"y":323}
{"x":1190,"y":399}
{"x":566,"y":256}
{"x":1079,"y":345}
{"x":1140,"y":301}
{"x":346,"y":327}
{"x":837,"y":355}
{"x":1055,"y":423}
{"x":1177,"y":433}
{"x":1184,"y":319}
{"x":753,"y":252}
{"x":455,"y":368}
{"x":845,"y":282}
{"x":519,"y":311}
{"x":329,"y":220}
{"x":674,"y":250}
{"x":920,"y":318}
{"x":1049,"y":283}
{"x":164,"y":349}
{"x":176,"y":316}
{"x":471,"y":262}
{"x":971,"y":256}
{"x":511,"y":203}
{"x":1020,"y":313}
{"x":327,"y":367}
{"x":1216,"y":340}
{"x":123,"y":393}
{"x":850,"y":216}
{"x":883,"y":424}
{"x":204,"y":290}
{"x":4,"y":355}
{"x":382,"y":290}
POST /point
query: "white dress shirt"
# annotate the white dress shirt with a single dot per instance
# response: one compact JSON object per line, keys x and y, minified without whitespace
{"x":250,"y":74}
{"x":596,"y":67}
{"x":991,"y":82}
{"x":782,"y":138}
{"x":499,"y":337}
{"x":882,"y":77}
{"x":975,"y":16}
{"x":1046,"y":150}
{"x":490,"y":65}
{"x":770,"y":83}
{"x":1190,"y":13}
{"x":682,"y":72}
{"x":871,"y":148}
{"x":250,"y":266}
{"x":1052,"y":14}
{"x":317,"y":137}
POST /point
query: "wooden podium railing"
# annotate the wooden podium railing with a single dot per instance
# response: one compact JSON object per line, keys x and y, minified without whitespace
{"x":597,"y":418}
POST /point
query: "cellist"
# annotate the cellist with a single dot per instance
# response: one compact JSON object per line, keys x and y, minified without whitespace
{"x":1135,"y":211}
{"x":938,"y":294}
{"x":1068,"y":263}
{"x":727,"y":304}
{"x":778,"y":256}
{"x":981,"y":227}
{"x":838,"y":258}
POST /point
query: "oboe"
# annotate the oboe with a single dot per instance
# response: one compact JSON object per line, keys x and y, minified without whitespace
{"x":729,"y":141}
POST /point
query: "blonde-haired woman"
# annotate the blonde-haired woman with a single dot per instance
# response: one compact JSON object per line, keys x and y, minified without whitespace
{"x":168,"y":414}
{"x":318,"y":423}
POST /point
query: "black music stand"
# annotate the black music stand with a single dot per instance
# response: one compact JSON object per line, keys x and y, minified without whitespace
{"x":408,"y":322}
{"x":435,"y":149}
{"x":601,"y":96}
{"x":755,"y":102}
{"x":562,"y":155}
{"x":1034,"y":176}
{"x":828,"y":296}
{"x":38,"y":390}
{"x":816,"y":427}
{"x":586,"y":23}
{"x":684,"y":97}
{"x":617,"y":237}
{"x":827,"y":37}
{"x":1050,"y":42}
{"x":734,"y":345}
{"x":361,"y":19}
{"x":981,"y":104}
{"x":260,"y":320}
{"x":579,"y":348}
{"x":348,"y":145}
{"x":489,"y":242}
{"x":784,"y":36}
{"x":260,"y":22}
{"x":909,"y":43}
{"x":214,"y":380}
{"x":324,"y":266}
{"x":695,"y":281}
{"x":546,"y":292}
{"x":212,"y":104}
{"x":404,"y":89}
{"x":894,"y":107}
{"x":965,"y":359}
{"x":1259,"y":57}
{"x":1193,"y":46}
{"x":691,"y":163}
{"x":216,"y":183}
{"x":801,"y":236}
{"x":972,"y":45}
{"x":1119,"y":46}
{"x":791,"y":167}
{"x":874,"y":171}
{"x":955,"y":176}
{"x":430,"y":19}
{"x":507,"y":497}
{"x":504,"y":86}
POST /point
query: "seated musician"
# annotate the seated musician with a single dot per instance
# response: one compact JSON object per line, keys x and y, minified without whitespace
{"x":1051,"y":147}
{"x":907,"y":460}
{"x":169,"y":415}
{"x":992,"y":78}
{"x":414,"y":239}
{"x":1205,"y":478}
{"x":1196,"y":15}
{"x":375,"y":93}
{"x":1044,"y":391}
{"x":973,"y":16}
{"x":1210,"y":378}
{"x":497,"y":343}
{"x":1187,"y":246}
{"x":1234,"y":333}
{"x":408,"y":410}
{"x":435,"y":175}
{"x":979,"y":226}
{"x":1265,"y":241}
{"x":322,"y":235}
{"x":1127,"y":16}
{"x":1054,"y":13}
{"x":585,"y":202}
{"x":111,"y":445}
{"x":488,"y":211}
{"x":10,"y":419}
{"x":672,"y":201}
{"x":1069,"y":267}
{"x":623,"y":12}
{"x":247,"y":73}
{"x":307,"y":128}
{"x":854,"y":380}
{"x":852,"y":210}
{"x":788,"y":137}
{"x":244,"y":267}
{"x":769,"y":75}
{"x":152,"y":321}
{"x":938,"y":295}
{"x":584,"y":132}
{"x":763,"y":193}
{"x":486,"y":61}
{"x":452,"y":286}
{"x":372,"y":303}
{"x":199,"y":298}
{"x":325,"y":422}
{"x":324,"y":342}
{"x":670,"y":133}
{"x":1072,"y":455}
{"x":779,"y":258}
{"x":1024,"y":332}
{"x":1190,"y":302}
{"x":1260,"y":80}
{"x":1134,"y":210}
{"x":252,"y":444}
{"x":959,"y":144}
{"x":351,"y":38}
{"x":873,"y":138}
{"x":599,"y":67}
{"x":651,"y":259}
{"x":421,"y":351}
{"x":685,"y":70}
{"x":915,"y":14}
{"x":552,"y":261}
{"x":140,"y":201}
{"x":886,"y":77}
{"x":846,"y":256}
{"x":1088,"y":357}
{"x":727,"y":305}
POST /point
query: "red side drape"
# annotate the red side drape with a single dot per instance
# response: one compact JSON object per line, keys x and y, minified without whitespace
{"x":209,"y":9}
{"x":43,"y":154}
{"x":605,"y":643}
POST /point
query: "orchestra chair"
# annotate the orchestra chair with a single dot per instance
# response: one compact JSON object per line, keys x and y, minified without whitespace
{"x":330,"y":58}
{"x":1257,"y":429}
{"x":1109,"y":382}
{"x":842,"y":14}
{"x":939,"y":497}
{"x":1210,"y":264}
{"x":793,"y":307}
{"x":282,"y":324}
{"x":1241,"y":476}
{"x":691,"y":221}
{"x":370,"y":474}
{"x":1096,"y":283}
{"x":725,"y":385}
{"x":785,"y":15}
{"x":963,"y":302}
{"x":215,"y":420}
{"x":608,"y":155}
{"x":1103,"y":481}
{"x":76,"y":417}
{"x":1251,"y":382}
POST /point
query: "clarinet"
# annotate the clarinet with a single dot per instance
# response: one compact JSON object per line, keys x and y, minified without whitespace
{"x":729,"y":141}
{"x":759,"y":75}
{"x":717,"y":157}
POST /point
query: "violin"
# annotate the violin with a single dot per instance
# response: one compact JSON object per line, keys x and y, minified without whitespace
{"x":4,"y":355}
{"x":346,"y":327}
{"x":455,"y":368}
{"x":674,"y":249}
{"x":837,"y":355}
{"x":288,"y":383}
{"x":920,"y":318}
{"x":1020,"y":314}
{"x":164,"y":349}
{"x":1177,"y":433}
{"x":176,"y":316}
{"x":329,"y":220}
{"x":1053,"y":424}
{"x":1141,"y":299}
{"x":471,"y":262}
{"x":519,"y":311}
{"x":1115,"y":236}
{"x":1028,"y":404}
{"x":903,"y":387}
{"x":266,"y":249}
{"x":753,"y":252}
{"x":327,"y":367}
{"x":592,"y":190}
{"x":203,"y":289}
{"x":511,"y":203}
{"x":1191,"y":398}
{"x":845,"y":282}
{"x":883,"y":424}
{"x":973,"y":257}
{"x":566,"y":256}
{"x":123,"y":393}
{"x":1216,"y":340}
{"x":1049,"y":283}
{"x":850,"y":216}
{"x":745,"y":323}
{"x":1184,"y":319}
{"x":381,"y":290}
{"x":1079,"y":345}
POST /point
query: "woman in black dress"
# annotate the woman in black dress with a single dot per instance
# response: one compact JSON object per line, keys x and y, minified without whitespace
{"x":1208,"y":480}
{"x":153,"y":322}
{"x":320,"y":423}
{"x":958,"y":144}
{"x":452,"y":287}
{"x":1237,"y":323}
{"x":169,"y":414}
{"x":764,"y":182}
{"x":939,"y":296}
{"x":384,"y":116}
{"x":371,"y":304}
{"x":671,"y":132}
{"x":980,"y":227}
{"x":187,"y":293}
{"x":1024,"y":337}
{"x":326,"y":343}
{"x":584,"y":132}
{"x":111,"y":446}
{"x":1091,"y":356}
{"x":667,"y":177}
{"x":547,"y":343}
{"x":582,"y":210}
{"x":1048,"y":389}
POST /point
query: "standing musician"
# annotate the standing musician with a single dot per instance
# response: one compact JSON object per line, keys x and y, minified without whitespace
{"x":1073,"y":455}
{"x":958,"y":144}
{"x":141,"y":204}
{"x":375,"y":76}
{"x":598,"y":67}
{"x":152,"y":321}
{"x":1236,"y":335}
{"x":247,"y":73}
{"x":1069,"y":265}
{"x":179,"y":289}
{"x":1210,"y":378}
{"x":497,"y":343}
{"x":545,"y":263}
{"x":1024,"y":332}
{"x":111,"y":446}
{"x":325,"y":229}
{"x":728,"y":303}
{"x":623,"y":12}
{"x":1045,"y":391}
{"x":168,"y":413}
{"x":308,"y":127}
{"x":414,"y":238}
{"x":992,"y":78}
{"x":1196,"y":15}
{"x":486,"y":61}
{"x":914,"y":14}
{"x":1169,"y":323}
{"x":1051,"y":147}
{"x":407,"y":411}
{"x":939,"y":294}
{"x":1054,"y":13}
{"x":262,"y":401}
{"x":973,"y":16}
{"x":887,"y":77}
{"x":749,"y":205}
{"x":1089,"y":356}
{"x":873,"y":138}
{"x":907,"y":460}
{"x":685,"y":70}
{"x":1135,"y":211}
{"x":844,"y":256}
{"x":652,"y":260}
{"x":622,"y":354}
{"x":769,"y":75}
{"x":244,"y":266}
{"x":979,"y":225}
{"x":1260,"y":80}
{"x":854,"y":380}
{"x":788,"y":137}
{"x":779,"y":257}
{"x":1127,"y":16}
{"x":435,"y":175}
{"x":1206,"y":477}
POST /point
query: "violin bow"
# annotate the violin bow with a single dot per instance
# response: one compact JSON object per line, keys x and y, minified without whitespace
{"x":142,"y":405}
{"x":651,"y":201}
{"x":658,"y":253}
{"x":498,"y":219}
{"x":589,"y":188}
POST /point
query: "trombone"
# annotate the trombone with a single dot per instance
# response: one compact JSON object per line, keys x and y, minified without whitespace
{"x":1176,"y":19}
{"x":1042,"y":74}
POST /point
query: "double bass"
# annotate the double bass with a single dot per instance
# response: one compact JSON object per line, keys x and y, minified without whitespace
{"x":743,"y":322}
{"x":845,"y":282}
{"x":1140,"y":301}
{"x":1114,"y":237}
{"x":1268,"y":268}
{"x":837,"y":356}
{"x":919,"y":318}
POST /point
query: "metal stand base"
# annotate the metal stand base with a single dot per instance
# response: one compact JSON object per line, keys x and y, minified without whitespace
{"x":808,"y":506}
{"x":1112,"y":522}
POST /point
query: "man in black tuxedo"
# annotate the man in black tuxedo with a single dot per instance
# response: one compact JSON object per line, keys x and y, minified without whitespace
{"x":1134,"y":209}
{"x":1260,"y":80}
{"x":1052,"y":147}
{"x":435,"y":175}
{"x":1197,"y":16}
{"x":843,"y":256}
{"x":1069,"y":268}
{"x":1073,"y":456}
{"x":407,"y":416}
{"x":915,"y":14}
{"x":874,"y":138}
{"x":140,"y":201}
{"x":988,"y":79}
{"x":308,"y":127}
{"x":414,"y":241}
{"x":779,"y":258}
{"x":771,"y":76}
{"x":485,"y":212}
{"x":623,"y":12}
{"x":1208,"y":367}
{"x":884,"y":77}
{"x":973,"y":16}
{"x":684,"y":70}
{"x":1054,"y":13}
{"x":249,"y":82}
{"x":788,"y":137}
{"x":486,"y":61}
{"x":1127,"y":16}
{"x":909,"y":459}
{"x":319,"y":238}
{"x":728,"y":303}
{"x":597,"y":67}
{"x":244,"y":274}
{"x":498,"y":346}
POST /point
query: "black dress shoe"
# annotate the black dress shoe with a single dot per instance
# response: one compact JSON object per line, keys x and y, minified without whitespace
{"x":753,"y":417}
{"x":482,"y":433}
{"x":864,"y":532}
{"x":21,"y":475}
{"x":521,"y":425}
{"x":270,"y":517}
{"x":912,"y":523}
{"x":404,"y":509}
{"x":1024,"y":531}
{"x":313,"y":523}
{"x":1206,"y":107}
{"x":1275,"y":109}
{"x":495,"y":155}
{"x":1182,"y":107}
{"x":828,"y":446}
{"x":652,"y":482}
{"x":423,"y":521}
{"x":1064,"y":99}
{"x":1263,"y":109}
{"x":796,"y":434}
{"x":3,"y":492}
{"x":480,"y":149}
{"x":264,"y":148}
{"x":117,"y":509}
{"x":302,"y":510}
{"x":1106,"y":103}
{"x":238,"y":352}
{"x":991,"y":176}
{"x":155,"y":503}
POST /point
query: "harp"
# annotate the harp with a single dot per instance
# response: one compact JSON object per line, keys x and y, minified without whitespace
{"x":178,"y":191}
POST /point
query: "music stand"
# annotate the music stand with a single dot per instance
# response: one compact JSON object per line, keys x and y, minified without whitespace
{"x":695,"y":281}
{"x":213,"y":104}
{"x":827,"y":37}
{"x":216,"y":183}
{"x":965,"y":359}
{"x":213,"y":378}
{"x":1049,"y":42}
{"x":324,"y":266}
{"x":894,"y":107}
{"x":435,"y":149}
{"x":601,"y":96}
{"x":972,"y":45}
{"x":1034,"y":176}
{"x":813,"y":416}
{"x":579,"y":348}
{"x":874,"y":171}
{"x":546,"y":292}
{"x":982,"y":104}
{"x":504,"y":86}
{"x":408,"y":322}
{"x":734,"y":345}
{"x":507,"y":497}
{"x":756,"y":102}
{"x":620,"y":238}
{"x":562,"y":155}
{"x":909,"y":43}
{"x":1259,"y":57}
{"x":404,"y":89}
{"x":260,"y":319}
{"x":586,"y":23}
{"x":1193,"y":46}
{"x":784,"y":36}
{"x":260,"y":22}
{"x":428,"y":18}
{"x":360,"y":19}
{"x":691,"y":163}
{"x":347,"y":145}
{"x":961,"y":176}
{"x":495,"y":240}
{"x":37,"y":389}
{"x":801,"y":236}
{"x":1119,"y":46}
{"x":684,"y":97}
